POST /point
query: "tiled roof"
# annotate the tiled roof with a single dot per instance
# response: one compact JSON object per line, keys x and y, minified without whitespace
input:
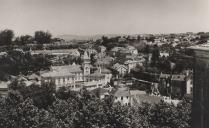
{"x":101,"y":91}
{"x":149,"y":99}
{"x":59,"y":51}
{"x":59,"y":73}
{"x":105,"y":70}
{"x":164,"y":75}
{"x":137,"y":92}
{"x":201,"y":47}
{"x":66,"y":70}
{"x":122,"y":92}
{"x":4,"y":85}
{"x":98,"y":75}
{"x":117,"y":66}
{"x":69,"y":68}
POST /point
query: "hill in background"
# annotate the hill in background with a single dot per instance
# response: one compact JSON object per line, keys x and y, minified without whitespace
{"x":87,"y":37}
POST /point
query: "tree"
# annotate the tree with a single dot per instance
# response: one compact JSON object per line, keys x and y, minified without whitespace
{"x":18,"y":113}
{"x":17,"y":62}
{"x":93,"y":59}
{"x":42,"y":37}
{"x":155,"y":56}
{"x":23,"y":40}
{"x":6,"y":37}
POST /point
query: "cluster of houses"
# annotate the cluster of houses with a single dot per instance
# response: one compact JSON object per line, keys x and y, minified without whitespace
{"x":179,"y":84}
{"x":98,"y":76}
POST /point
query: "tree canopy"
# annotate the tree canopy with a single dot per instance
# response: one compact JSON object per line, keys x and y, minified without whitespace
{"x":84,"y":109}
{"x":6,"y":37}
{"x":42,"y":37}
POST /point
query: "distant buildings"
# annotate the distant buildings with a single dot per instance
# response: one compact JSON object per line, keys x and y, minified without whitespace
{"x":58,"y":52}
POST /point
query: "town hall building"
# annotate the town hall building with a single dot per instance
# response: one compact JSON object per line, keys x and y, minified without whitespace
{"x":77,"y":76}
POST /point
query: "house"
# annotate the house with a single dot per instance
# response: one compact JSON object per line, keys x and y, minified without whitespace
{"x":4,"y":88}
{"x":122,"y":95}
{"x":122,"y":69}
{"x":34,"y":78}
{"x":164,"y":54}
{"x":134,"y":94}
{"x":132,"y":50}
{"x":75,"y":52}
{"x":164,"y":80}
{"x":138,"y":97}
{"x":131,"y":64}
{"x":122,"y":39}
{"x":101,"y":92}
{"x":3,"y":54}
{"x":178,"y":86}
{"x":114,"y":50}
{"x":170,"y":101}
{"x":104,"y":62}
{"x":102,"y":49}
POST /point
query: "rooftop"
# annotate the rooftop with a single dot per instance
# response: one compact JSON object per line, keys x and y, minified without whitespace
{"x":4,"y":85}
{"x":58,"y":51}
{"x":204,"y":47}
{"x":122,"y":92}
{"x":58,"y":73}
{"x":70,"y":68}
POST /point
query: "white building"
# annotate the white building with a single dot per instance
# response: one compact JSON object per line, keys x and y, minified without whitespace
{"x":131,"y":64}
{"x":122,"y":69}
{"x":122,"y":95}
{"x":165,"y":54}
{"x":77,"y":76}
{"x":132,"y":50}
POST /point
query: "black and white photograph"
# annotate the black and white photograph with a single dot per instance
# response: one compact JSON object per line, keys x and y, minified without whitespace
{"x":104,"y":63}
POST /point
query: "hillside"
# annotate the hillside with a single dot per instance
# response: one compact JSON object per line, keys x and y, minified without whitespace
{"x":69,"y":37}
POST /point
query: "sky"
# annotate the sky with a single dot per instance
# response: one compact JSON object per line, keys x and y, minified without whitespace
{"x":89,"y":17}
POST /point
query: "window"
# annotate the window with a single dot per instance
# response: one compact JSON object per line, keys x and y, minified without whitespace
{"x":127,"y":97}
{"x":116,"y":98}
{"x":121,"y":98}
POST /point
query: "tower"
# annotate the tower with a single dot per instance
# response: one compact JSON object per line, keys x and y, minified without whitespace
{"x":86,"y":67}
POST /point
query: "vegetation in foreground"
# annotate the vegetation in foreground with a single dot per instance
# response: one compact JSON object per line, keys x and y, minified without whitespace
{"x":41,"y":107}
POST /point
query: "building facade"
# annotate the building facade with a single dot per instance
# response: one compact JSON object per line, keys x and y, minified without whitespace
{"x":200,"y":106}
{"x":77,"y":76}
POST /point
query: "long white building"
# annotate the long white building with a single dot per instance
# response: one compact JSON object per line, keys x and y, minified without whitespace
{"x":77,"y":76}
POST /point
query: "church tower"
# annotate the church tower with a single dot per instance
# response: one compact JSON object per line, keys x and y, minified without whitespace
{"x":86,"y":67}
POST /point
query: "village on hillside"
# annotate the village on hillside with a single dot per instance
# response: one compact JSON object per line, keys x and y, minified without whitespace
{"x":134,"y":69}
{"x":151,"y":74}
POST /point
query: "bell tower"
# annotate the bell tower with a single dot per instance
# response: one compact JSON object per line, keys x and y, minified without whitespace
{"x":86,"y":67}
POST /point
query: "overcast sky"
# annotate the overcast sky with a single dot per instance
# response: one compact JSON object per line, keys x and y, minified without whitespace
{"x":87,"y":17}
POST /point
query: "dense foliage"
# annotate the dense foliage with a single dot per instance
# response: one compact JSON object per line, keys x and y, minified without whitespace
{"x":84,"y":110}
{"x":17,"y":61}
